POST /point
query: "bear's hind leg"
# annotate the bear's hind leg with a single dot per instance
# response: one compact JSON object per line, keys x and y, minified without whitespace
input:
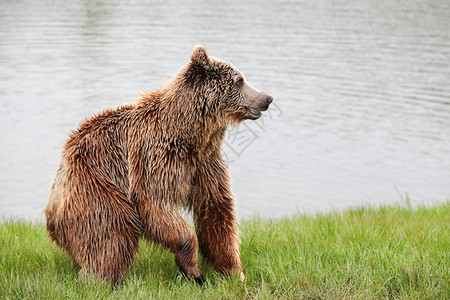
{"x":101,"y":234}
{"x":111,"y":257}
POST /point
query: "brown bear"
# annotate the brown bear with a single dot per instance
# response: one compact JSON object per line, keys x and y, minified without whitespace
{"x":126,"y":172}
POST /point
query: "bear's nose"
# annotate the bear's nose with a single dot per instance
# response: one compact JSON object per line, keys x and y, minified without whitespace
{"x":269,"y":99}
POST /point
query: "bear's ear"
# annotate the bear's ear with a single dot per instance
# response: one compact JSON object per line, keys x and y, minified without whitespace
{"x":199,"y":56}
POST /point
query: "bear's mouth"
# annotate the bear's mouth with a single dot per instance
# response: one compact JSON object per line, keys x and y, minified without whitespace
{"x":254,"y":113}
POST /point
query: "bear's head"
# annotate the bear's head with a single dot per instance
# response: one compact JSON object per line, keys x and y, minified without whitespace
{"x":221,"y":90}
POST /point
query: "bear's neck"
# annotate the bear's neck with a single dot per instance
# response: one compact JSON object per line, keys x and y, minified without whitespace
{"x":180,"y":117}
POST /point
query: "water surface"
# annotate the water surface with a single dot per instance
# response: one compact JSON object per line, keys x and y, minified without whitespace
{"x":361,"y":89}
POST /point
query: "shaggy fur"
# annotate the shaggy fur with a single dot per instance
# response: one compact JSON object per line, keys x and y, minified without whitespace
{"x":127,"y":171}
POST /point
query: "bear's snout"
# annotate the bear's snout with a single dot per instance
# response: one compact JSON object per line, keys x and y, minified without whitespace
{"x":264,"y":101}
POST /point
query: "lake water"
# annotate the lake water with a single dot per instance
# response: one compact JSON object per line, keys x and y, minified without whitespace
{"x":361,"y":114}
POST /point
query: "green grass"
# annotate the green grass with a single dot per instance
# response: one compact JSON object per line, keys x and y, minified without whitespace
{"x":384,"y":253}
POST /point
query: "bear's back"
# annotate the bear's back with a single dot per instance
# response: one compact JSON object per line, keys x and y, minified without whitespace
{"x":101,"y":145}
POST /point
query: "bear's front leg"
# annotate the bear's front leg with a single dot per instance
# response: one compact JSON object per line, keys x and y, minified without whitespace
{"x":156,"y":197}
{"x":164,"y":225}
{"x":214,"y":217}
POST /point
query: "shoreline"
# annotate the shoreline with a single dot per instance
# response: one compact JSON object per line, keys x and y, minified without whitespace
{"x":365,"y":253}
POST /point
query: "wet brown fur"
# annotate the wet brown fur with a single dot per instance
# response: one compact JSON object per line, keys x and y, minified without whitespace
{"x":127,"y":171}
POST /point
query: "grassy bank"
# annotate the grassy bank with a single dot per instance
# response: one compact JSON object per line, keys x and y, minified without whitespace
{"x":390,"y":252}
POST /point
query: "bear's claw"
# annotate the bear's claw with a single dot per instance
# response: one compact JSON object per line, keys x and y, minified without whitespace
{"x":200,"y":280}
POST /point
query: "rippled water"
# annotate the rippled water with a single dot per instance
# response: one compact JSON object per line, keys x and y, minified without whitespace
{"x":361,"y":89}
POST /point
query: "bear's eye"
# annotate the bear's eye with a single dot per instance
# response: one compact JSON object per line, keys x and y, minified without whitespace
{"x":240,"y":82}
